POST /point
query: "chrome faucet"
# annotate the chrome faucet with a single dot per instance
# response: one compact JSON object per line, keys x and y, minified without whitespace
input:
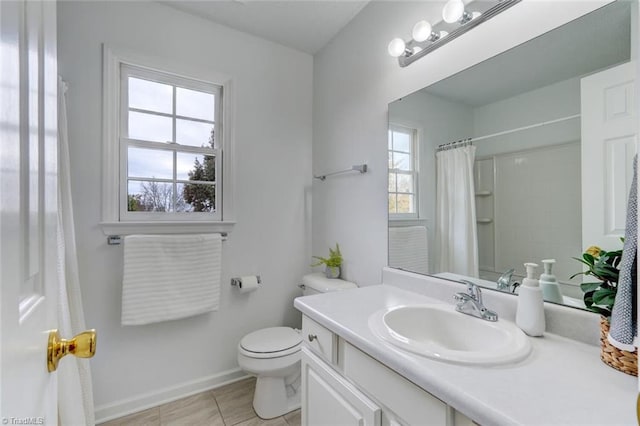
{"x":504,"y":282}
{"x":470,"y":303}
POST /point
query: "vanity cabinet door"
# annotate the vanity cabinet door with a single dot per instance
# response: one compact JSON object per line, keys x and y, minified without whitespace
{"x":328,"y":399}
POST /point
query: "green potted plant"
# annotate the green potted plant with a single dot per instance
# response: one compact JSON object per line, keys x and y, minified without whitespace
{"x":332,"y":263}
{"x":599,"y":296}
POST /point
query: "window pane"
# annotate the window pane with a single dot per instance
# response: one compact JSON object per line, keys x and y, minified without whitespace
{"x":191,"y":103}
{"x":405,"y":183}
{"x":145,"y":94}
{"x":391,"y":166}
{"x":181,"y":203}
{"x":392,"y":182}
{"x":194,"y":133}
{"x":390,"y":139}
{"x":401,"y":142}
{"x":402,"y":161}
{"x":405,"y":203}
{"x":198,"y":197}
{"x":149,"y":127}
{"x":149,"y":196}
{"x":150,"y":163}
{"x":392,"y":203}
{"x":196,"y":167}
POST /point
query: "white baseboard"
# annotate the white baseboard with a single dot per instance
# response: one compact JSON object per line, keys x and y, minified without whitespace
{"x":153,"y":399}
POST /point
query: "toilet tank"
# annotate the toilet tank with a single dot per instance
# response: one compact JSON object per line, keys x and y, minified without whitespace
{"x":317,"y":283}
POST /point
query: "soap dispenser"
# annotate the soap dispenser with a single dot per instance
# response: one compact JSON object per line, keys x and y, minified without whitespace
{"x":530,"y":313}
{"x":549,"y":284}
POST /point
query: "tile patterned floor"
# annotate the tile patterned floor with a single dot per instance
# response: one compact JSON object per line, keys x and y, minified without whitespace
{"x":230,"y":405}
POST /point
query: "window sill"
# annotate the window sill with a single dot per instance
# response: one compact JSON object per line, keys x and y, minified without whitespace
{"x":393,"y":217}
{"x":408,"y":221}
{"x":195,"y":227}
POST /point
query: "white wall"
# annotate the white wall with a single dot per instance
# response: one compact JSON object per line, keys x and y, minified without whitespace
{"x":557,"y":100}
{"x":273,"y":91}
{"x":355,"y":79}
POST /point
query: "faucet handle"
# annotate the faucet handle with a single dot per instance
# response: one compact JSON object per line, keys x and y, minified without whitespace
{"x":504,"y":282}
{"x":473,"y":290}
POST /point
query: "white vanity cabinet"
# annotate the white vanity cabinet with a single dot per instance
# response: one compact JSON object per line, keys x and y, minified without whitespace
{"x":342,"y":385}
{"x":329,"y":399}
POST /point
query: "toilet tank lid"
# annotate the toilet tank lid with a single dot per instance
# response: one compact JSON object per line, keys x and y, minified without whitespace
{"x":322,"y":284}
{"x":273,"y":339}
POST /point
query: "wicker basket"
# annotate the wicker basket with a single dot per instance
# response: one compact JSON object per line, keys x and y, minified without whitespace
{"x":625,"y":361}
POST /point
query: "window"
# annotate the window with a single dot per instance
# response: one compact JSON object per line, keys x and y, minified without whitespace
{"x":403,"y":174}
{"x":169,"y":151}
{"x":167,"y":146}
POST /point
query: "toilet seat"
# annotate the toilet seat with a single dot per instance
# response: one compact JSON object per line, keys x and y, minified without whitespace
{"x":273,"y":342}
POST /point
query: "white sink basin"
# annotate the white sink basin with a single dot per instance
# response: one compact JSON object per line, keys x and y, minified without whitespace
{"x":438,"y":331}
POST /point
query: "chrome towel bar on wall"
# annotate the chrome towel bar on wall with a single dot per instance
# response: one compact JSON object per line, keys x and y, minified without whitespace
{"x":362,"y":168}
{"x":114,"y":240}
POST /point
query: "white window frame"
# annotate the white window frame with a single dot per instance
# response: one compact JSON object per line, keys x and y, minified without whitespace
{"x":393,"y":127}
{"x":127,"y":71}
{"x":116,"y":220}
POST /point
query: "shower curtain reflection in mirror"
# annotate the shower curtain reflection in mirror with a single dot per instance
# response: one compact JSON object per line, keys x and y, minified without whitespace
{"x":456,"y":234}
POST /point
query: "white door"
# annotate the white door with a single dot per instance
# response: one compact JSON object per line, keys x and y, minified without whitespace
{"x":28,"y":209}
{"x":609,"y":137}
{"x":329,"y":400}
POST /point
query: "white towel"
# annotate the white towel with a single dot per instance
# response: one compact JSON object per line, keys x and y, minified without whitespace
{"x":408,"y":248}
{"x":167,"y":277}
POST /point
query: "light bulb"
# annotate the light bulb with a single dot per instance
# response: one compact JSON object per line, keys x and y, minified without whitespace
{"x":453,"y":11}
{"x":421,"y":31}
{"x":396,"y":47}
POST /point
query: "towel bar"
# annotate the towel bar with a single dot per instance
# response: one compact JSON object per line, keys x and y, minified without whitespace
{"x":362,"y":168}
{"x":114,"y":240}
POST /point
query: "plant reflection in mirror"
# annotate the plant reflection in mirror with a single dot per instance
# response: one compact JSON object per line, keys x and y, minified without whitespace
{"x":604,"y":265}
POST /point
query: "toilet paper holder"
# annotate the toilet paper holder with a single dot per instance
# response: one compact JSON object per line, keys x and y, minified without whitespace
{"x":237,"y":281}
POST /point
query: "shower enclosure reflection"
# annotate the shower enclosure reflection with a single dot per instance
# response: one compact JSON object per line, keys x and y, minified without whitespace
{"x":487,"y":167}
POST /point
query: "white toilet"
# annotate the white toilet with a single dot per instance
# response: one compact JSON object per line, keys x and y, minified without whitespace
{"x":273,"y":355}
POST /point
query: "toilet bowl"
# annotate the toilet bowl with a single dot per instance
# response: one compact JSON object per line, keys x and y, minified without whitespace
{"x":273,"y":356}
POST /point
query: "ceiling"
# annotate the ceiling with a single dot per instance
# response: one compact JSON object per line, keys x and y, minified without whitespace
{"x":588,"y":44}
{"x":306,"y":25}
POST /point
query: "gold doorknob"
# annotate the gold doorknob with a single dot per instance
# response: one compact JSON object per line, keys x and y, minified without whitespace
{"x":83,"y":346}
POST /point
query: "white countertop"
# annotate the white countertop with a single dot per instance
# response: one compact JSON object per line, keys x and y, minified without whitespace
{"x":561,"y":382}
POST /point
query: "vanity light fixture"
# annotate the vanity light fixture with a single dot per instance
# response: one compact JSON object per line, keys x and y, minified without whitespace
{"x":424,"y":31}
{"x":454,"y":11}
{"x":397,"y":47}
{"x":426,"y":39}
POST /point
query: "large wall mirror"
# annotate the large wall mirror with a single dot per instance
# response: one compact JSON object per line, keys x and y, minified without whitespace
{"x":524,"y":157}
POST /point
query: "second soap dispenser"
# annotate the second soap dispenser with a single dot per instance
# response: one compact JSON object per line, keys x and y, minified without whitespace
{"x":530,"y":313}
{"x":549,"y":284}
